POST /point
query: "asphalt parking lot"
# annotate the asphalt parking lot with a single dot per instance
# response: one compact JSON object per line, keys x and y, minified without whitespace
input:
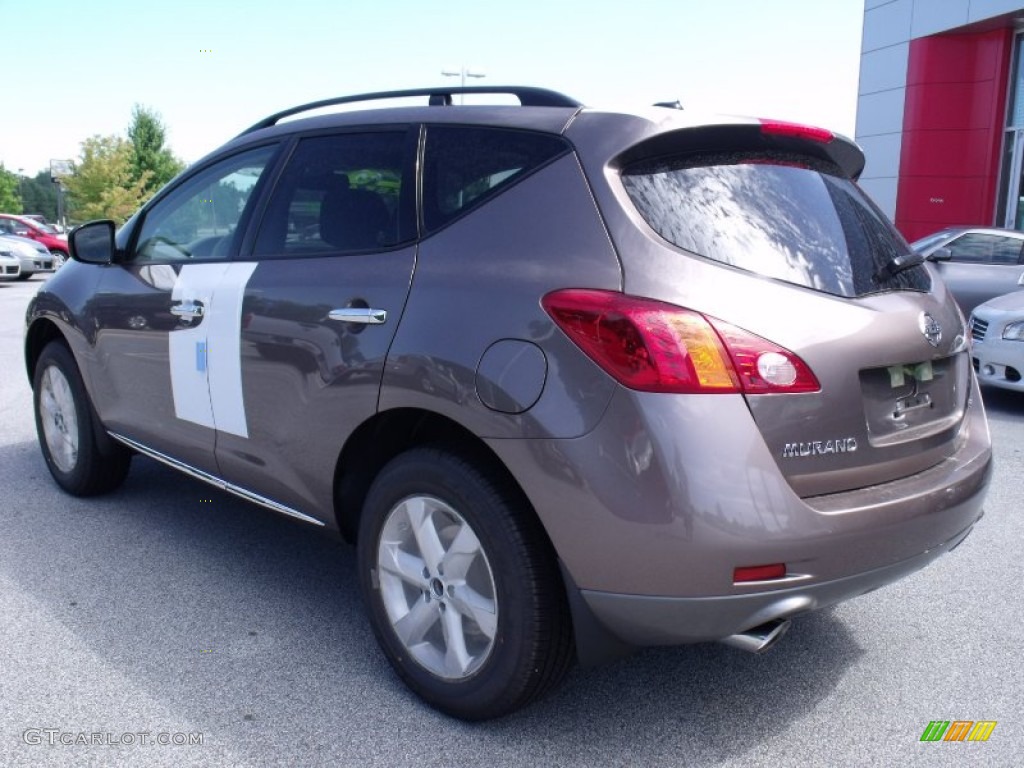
{"x":135,"y":625}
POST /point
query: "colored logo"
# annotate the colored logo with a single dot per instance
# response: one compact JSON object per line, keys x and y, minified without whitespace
{"x":958,"y":730}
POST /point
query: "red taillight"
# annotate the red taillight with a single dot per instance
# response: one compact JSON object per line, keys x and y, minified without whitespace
{"x":796,"y":130}
{"x":764,"y":367}
{"x":759,"y":572}
{"x":652,"y":346}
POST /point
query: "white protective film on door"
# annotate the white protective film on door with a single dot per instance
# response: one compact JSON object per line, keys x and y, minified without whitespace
{"x":206,"y":378}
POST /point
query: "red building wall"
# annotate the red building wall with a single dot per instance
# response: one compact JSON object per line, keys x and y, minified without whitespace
{"x":953,"y":123}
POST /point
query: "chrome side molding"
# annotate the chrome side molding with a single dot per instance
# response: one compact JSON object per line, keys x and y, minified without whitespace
{"x":206,"y":477}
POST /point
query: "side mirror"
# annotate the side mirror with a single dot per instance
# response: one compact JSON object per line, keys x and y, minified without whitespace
{"x":940,"y":254}
{"x":93,"y":242}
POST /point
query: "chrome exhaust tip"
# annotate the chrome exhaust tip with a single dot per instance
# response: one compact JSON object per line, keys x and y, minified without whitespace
{"x":760,"y":638}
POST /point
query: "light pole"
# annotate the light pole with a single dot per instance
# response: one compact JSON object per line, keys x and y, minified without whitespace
{"x":58,"y":170}
{"x":21,"y":188}
{"x":462,"y":73}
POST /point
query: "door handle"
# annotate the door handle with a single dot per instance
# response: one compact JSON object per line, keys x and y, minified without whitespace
{"x":361,"y":315}
{"x":187,"y":310}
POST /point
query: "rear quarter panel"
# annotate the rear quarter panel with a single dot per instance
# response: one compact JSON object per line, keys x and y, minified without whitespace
{"x":480,"y":280}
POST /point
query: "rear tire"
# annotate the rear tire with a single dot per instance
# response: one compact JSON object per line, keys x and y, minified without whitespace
{"x":65,"y":426}
{"x":462,"y":586}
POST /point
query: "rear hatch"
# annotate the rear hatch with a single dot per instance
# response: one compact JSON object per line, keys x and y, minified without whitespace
{"x":763,"y":227}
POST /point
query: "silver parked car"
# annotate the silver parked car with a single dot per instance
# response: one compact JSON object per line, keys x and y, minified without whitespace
{"x":997,"y":335}
{"x":573,"y":381}
{"x":976,"y":263}
{"x":10,"y":264}
{"x":34,"y":256}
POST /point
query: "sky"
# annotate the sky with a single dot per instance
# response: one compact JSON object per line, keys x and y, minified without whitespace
{"x":211,"y":69}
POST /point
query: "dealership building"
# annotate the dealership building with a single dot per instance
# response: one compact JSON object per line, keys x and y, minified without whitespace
{"x":940,"y":112}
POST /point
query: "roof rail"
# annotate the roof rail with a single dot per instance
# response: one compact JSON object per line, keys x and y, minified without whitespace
{"x":441,"y":96}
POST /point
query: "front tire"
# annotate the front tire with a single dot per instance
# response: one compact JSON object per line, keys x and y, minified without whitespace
{"x":462,"y":586}
{"x":65,"y":427}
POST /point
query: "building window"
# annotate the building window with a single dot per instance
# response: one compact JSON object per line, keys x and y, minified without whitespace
{"x":1010,"y":211}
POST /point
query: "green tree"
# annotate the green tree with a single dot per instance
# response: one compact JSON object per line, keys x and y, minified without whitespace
{"x":39,"y":195}
{"x":10,"y":200}
{"x":149,"y":155}
{"x":101,"y":185}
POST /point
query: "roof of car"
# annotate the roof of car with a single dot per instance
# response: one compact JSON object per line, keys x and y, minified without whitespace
{"x":539,"y":110}
{"x":528,"y":97}
{"x":960,"y":230}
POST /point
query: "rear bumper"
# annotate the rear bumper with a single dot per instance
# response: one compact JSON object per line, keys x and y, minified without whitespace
{"x":652,"y":511}
{"x":640,"y":620}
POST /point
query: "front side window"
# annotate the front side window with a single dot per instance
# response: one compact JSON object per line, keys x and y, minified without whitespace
{"x":785,"y":217}
{"x":980,"y":248}
{"x":465,"y":165}
{"x":199,"y":220}
{"x":340,"y":193}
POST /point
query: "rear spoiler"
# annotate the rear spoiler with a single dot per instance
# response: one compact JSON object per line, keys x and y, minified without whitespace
{"x":763,"y":135}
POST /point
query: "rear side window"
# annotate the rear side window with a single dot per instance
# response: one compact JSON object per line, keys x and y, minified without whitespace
{"x":466,"y":165}
{"x":784,"y":217}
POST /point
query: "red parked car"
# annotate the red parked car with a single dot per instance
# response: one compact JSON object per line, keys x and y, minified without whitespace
{"x":56,"y":243}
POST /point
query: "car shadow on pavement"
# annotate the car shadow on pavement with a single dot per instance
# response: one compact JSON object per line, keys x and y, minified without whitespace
{"x":249,"y":627}
{"x":705,"y":699}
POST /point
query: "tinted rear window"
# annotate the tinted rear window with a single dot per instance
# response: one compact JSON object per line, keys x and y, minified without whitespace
{"x":782,"y":217}
{"x":466,"y":165}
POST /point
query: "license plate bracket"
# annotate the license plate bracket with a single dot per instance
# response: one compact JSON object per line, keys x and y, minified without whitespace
{"x":919,"y":372}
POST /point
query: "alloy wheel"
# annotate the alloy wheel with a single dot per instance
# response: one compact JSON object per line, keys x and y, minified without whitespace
{"x":59,"y":418}
{"x":437,"y":587}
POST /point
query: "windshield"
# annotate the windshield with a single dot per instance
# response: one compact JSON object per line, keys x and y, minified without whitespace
{"x":783,"y":217}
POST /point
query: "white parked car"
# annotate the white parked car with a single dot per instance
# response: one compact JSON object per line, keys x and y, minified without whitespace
{"x":997,"y":335}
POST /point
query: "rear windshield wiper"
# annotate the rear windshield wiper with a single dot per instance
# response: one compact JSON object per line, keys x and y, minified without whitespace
{"x":899,"y":264}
